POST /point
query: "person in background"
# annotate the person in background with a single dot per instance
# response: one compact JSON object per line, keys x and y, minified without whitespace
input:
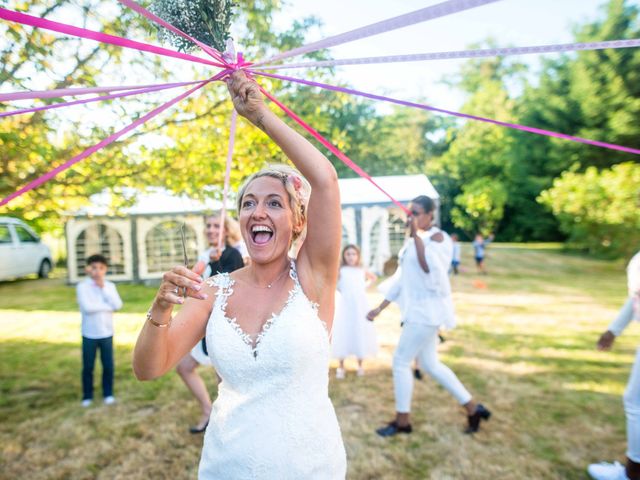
{"x":227,"y":261}
{"x":629,"y":311}
{"x":352,"y":333}
{"x":98,"y":299}
{"x":479,"y":247}
{"x":455,"y":261}
{"x":422,"y":288}
{"x":227,"y":258}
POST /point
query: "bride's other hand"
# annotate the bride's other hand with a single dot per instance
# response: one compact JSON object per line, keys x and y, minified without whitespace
{"x":174,"y":283}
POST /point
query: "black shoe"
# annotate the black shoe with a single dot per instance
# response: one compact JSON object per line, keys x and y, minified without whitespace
{"x":417,"y":374}
{"x":474,"y":420}
{"x":197,"y":429}
{"x":393,"y":429}
{"x":441,"y":338}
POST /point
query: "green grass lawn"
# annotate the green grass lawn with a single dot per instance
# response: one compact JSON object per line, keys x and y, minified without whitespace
{"x":524,"y":347}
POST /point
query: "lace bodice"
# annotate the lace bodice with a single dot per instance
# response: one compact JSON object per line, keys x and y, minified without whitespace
{"x":273,"y":417}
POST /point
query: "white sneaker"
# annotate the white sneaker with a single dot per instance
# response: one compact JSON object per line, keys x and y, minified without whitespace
{"x":607,"y":471}
{"x":87,"y":403}
{"x":339,"y":373}
{"x":110,"y":400}
{"x":360,"y":372}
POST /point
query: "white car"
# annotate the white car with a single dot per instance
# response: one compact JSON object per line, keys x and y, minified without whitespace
{"x":21,"y":251}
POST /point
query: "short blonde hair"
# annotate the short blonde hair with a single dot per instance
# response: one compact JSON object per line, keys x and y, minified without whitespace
{"x":297,"y":187}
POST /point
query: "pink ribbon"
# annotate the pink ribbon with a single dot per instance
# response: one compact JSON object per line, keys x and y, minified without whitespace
{"x":100,"y":98}
{"x":65,"y":92}
{"x":154,"y":18}
{"x":110,"y":139}
{"x":485,"y":52}
{"x":516,"y":126}
{"x":38,"y":22}
{"x":346,"y":160}
{"x":227,"y":177}
{"x":418,"y":16}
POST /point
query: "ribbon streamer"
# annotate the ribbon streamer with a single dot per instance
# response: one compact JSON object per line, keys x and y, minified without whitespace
{"x":154,"y":18}
{"x":100,"y":98}
{"x":38,"y":22}
{"x":70,"y":92}
{"x":411,"y":18}
{"x":110,"y":139}
{"x":516,"y":126}
{"x":346,"y":160}
{"x":227,"y":177}
{"x":485,"y":52}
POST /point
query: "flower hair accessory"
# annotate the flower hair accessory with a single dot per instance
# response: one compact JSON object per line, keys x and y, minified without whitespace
{"x":296,"y":182}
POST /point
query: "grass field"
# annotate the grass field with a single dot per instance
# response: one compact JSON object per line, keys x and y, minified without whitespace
{"x":524,"y":347}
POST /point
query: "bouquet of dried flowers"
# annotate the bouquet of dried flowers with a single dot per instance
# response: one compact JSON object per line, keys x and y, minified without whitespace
{"x":205,"y":20}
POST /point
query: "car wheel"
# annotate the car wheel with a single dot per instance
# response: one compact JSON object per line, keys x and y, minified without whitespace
{"x":45,"y":268}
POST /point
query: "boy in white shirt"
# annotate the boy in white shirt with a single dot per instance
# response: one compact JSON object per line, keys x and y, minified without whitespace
{"x":98,"y":299}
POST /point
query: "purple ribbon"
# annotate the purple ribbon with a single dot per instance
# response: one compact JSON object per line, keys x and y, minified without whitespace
{"x":485,"y":52}
{"x":516,"y":126}
{"x":70,"y":92}
{"x":100,"y":98}
{"x":429,"y":13}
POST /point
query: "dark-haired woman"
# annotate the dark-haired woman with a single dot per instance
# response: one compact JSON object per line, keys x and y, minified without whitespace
{"x":421,"y":287}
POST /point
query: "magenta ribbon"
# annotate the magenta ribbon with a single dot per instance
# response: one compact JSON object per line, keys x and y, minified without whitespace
{"x":110,"y":139}
{"x":38,"y":22}
{"x":516,"y":126}
{"x":346,"y":160}
{"x":154,"y":18}
{"x":100,"y":98}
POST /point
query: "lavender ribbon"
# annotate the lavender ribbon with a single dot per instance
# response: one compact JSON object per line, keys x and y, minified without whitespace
{"x":100,"y":98}
{"x":485,"y":52}
{"x":64,"y":92}
{"x":516,"y":126}
{"x":411,"y":18}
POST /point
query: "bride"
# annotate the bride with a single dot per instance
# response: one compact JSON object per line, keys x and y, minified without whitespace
{"x":266,"y":325}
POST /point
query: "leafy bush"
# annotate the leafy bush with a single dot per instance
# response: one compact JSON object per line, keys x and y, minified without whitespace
{"x":599,"y":209}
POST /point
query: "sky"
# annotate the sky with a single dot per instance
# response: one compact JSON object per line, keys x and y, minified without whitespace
{"x":509,"y":22}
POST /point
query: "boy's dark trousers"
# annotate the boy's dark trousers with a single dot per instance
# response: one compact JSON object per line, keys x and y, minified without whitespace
{"x":89,"y":347}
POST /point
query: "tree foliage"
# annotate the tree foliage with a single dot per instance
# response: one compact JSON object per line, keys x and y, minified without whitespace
{"x":599,"y":210}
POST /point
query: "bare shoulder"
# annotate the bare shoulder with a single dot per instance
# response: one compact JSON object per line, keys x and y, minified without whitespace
{"x":438,"y":237}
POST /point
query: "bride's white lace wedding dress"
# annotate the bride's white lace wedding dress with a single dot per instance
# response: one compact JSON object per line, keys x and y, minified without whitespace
{"x":273,"y":418}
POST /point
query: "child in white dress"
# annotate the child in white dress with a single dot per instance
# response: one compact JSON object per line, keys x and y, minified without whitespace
{"x":353,"y":334}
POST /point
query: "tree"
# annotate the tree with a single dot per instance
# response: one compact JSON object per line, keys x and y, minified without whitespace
{"x":157,"y":154}
{"x":599,"y":210}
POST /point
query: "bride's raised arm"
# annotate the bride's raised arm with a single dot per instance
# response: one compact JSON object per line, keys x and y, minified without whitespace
{"x":321,"y":248}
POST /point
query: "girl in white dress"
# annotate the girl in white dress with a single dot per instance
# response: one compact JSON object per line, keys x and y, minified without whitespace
{"x":353,"y":334}
{"x":267,"y":324}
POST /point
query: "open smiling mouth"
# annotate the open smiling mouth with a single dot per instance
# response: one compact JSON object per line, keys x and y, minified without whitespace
{"x":261,"y":234}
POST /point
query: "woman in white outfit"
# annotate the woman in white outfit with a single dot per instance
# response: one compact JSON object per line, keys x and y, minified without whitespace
{"x":266,"y":325}
{"x":630,"y":310}
{"x":421,"y":287}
